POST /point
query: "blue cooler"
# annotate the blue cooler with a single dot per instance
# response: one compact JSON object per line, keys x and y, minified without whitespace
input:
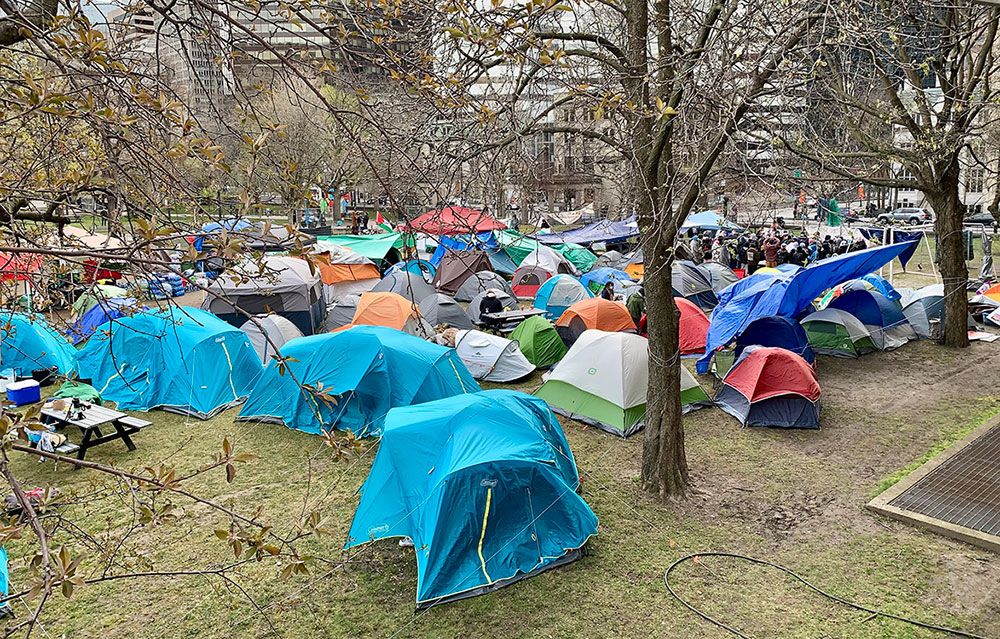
{"x":26,"y":392}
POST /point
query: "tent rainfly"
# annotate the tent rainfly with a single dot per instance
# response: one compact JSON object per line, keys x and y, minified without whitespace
{"x":835,"y":332}
{"x":343,"y":271}
{"x":392,"y":311}
{"x":602,"y":381}
{"x":539,"y":341}
{"x":349,"y":380}
{"x":440,"y":309}
{"x":527,"y":280}
{"x":268,"y":332}
{"x":457,"y":267}
{"x":181,"y":359}
{"x":28,"y":343}
{"x":278,"y":284}
{"x":480,"y":283}
{"x":484,"y":485}
{"x":408,"y":285}
{"x":770,"y":386}
{"x":594,"y":313}
{"x":492,"y":358}
{"x":559,"y":293}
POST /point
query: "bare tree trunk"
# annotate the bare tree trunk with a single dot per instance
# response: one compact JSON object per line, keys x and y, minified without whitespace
{"x":949,"y":213}
{"x":664,"y":462}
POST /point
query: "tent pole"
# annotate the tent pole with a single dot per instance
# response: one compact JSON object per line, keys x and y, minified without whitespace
{"x":892,"y":237}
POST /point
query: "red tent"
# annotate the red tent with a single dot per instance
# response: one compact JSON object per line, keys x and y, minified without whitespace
{"x":765,"y":372}
{"x":19,"y":266}
{"x":693,"y":327}
{"x":455,"y":220}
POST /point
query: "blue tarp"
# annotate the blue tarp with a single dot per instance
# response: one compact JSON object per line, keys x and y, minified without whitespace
{"x":709,"y":220}
{"x":883,"y":286}
{"x":761,"y":296}
{"x":28,"y":343}
{"x":486,"y":242}
{"x":899,"y":237}
{"x":210,"y":228}
{"x":603,"y":231}
{"x":483,"y":484}
{"x":369,"y":369}
{"x":181,"y":358}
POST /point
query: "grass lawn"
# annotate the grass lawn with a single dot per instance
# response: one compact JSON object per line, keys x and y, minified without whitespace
{"x":796,"y":498}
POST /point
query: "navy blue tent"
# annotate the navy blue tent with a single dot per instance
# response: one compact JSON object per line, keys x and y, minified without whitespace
{"x":883,"y":317}
{"x":783,"y":332}
{"x":741,"y":304}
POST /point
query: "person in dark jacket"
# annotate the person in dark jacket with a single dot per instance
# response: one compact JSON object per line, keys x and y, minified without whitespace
{"x":608,"y":292}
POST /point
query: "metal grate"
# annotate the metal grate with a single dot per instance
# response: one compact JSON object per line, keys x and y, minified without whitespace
{"x":964,"y":490}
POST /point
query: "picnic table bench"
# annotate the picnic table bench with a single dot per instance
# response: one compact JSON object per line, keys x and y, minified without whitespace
{"x":507,"y":321}
{"x":91,"y":420}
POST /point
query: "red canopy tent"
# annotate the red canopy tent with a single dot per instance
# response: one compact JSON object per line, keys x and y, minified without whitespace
{"x":19,"y":266}
{"x":454,"y":220}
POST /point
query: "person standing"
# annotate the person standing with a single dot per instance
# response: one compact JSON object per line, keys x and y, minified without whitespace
{"x":636,"y":305}
{"x":771,"y":246}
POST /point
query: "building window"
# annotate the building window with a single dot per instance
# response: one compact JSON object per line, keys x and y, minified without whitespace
{"x":975,"y":180}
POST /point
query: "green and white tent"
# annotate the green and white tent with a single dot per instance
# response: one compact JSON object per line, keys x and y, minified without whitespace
{"x":539,"y":341}
{"x":602,"y":381}
{"x":832,"y":331}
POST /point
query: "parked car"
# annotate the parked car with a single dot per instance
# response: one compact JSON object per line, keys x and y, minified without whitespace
{"x":982,"y":217}
{"x":909,"y":214}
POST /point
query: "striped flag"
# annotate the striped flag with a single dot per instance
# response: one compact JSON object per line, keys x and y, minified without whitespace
{"x":382,"y":223}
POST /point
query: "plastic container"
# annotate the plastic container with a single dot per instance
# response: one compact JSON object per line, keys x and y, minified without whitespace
{"x":26,"y":392}
{"x":7,"y":377}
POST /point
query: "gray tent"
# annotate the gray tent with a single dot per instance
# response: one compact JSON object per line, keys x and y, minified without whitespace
{"x":279,"y":284}
{"x":267,"y":332}
{"x":412,"y":287}
{"x":509,"y":304}
{"x":341,"y":312}
{"x":440,"y":309}
{"x":480,"y":283}
{"x":611,"y":259}
{"x":720,"y":275}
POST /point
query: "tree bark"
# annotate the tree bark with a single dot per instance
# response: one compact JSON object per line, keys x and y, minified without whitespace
{"x":949,"y":213}
{"x":664,"y":461}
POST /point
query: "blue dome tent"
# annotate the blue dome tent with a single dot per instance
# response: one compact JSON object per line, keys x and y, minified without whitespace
{"x":367,"y":369}
{"x":782,"y":332}
{"x":181,"y":359}
{"x":423,"y":268}
{"x":101,"y":313}
{"x":883,"y":317}
{"x":558,"y":293}
{"x":485,"y":486}
{"x":596,"y":279}
{"x":30,"y":344}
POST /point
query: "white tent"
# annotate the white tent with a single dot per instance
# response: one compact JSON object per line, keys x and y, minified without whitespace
{"x":267,"y":332}
{"x":492,"y":358}
{"x":550,"y":260}
{"x":602,"y":381}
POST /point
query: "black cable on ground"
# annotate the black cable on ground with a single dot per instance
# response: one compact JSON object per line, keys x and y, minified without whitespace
{"x":801,"y":579}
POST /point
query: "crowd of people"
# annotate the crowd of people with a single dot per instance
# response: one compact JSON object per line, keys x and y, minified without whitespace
{"x":771,"y":247}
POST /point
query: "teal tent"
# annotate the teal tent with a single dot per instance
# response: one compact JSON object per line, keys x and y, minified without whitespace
{"x":182,"y":359}
{"x":30,"y":344}
{"x":483,"y":484}
{"x":383,"y":246}
{"x":350,"y":379}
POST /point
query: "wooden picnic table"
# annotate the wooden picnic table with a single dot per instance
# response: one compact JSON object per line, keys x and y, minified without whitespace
{"x":90,"y":423}
{"x":507,"y":321}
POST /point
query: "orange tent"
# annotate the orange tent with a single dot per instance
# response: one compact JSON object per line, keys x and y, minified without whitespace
{"x":597,"y":313}
{"x":338,"y":273}
{"x":693,"y":327}
{"x":392,"y":310}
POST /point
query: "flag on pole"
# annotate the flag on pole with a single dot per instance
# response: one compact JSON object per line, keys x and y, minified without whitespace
{"x":382,"y":223}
